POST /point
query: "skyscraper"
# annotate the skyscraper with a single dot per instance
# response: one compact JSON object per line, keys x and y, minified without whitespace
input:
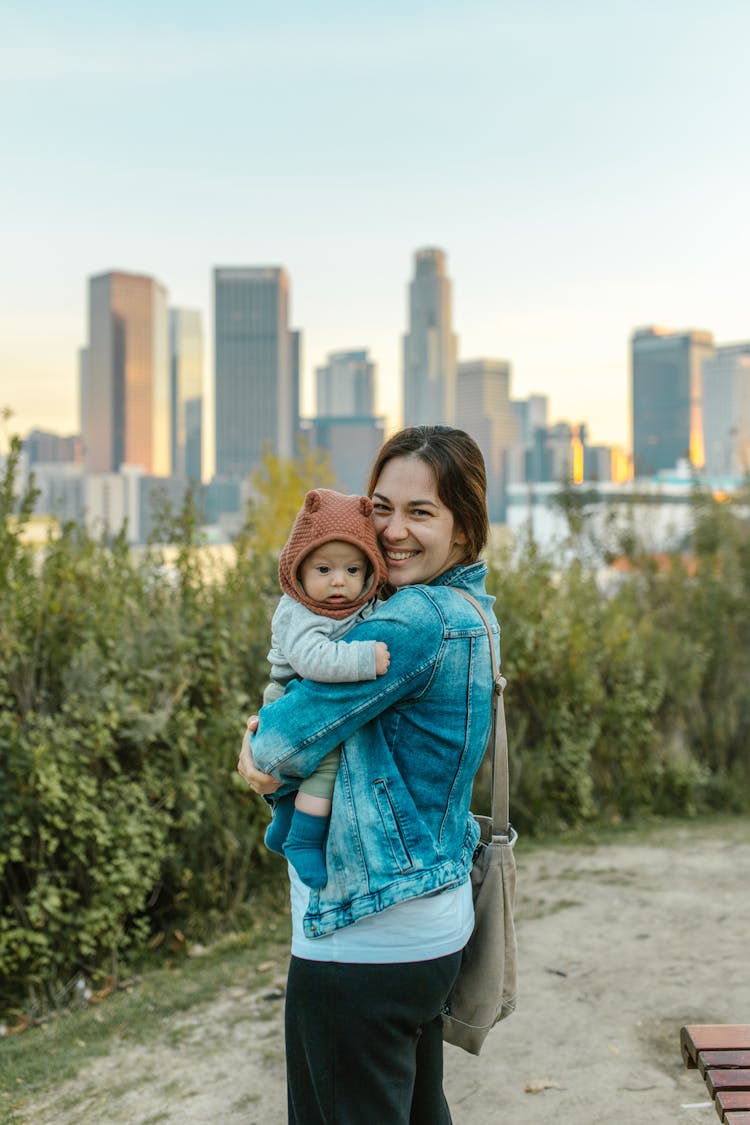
{"x":351,"y":442}
{"x":295,"y":353}
{"x":125,"y":408}
{"x":531,"y":415}
{"x":345,"y":426}
{"x":345,"y":384}
{"x":83,"y":392}
{"x":726,"y":410}
{"x":526,"y":461}
{"x":666,"y":401}
{"x":256,"y":379}
{"x":430,"y":345}
{"x":186,"y":370}
{"x":484,"y":410}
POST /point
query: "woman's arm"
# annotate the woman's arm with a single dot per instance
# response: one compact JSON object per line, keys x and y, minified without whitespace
{"x":312,"y":718}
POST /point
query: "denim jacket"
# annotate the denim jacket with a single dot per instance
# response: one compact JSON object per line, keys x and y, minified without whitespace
{"x":411,"y":742}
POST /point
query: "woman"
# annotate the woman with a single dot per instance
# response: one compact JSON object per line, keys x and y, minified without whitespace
{"x":376,"y":951}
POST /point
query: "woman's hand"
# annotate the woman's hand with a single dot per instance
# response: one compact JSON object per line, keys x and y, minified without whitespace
{"x":259,"y":782}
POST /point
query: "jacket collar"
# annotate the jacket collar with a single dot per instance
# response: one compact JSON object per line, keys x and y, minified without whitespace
{"x":461,"y":575}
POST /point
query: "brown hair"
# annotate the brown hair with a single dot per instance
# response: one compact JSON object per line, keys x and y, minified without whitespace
{"x":461,"y":478}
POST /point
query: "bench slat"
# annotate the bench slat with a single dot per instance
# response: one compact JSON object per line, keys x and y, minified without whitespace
{"x":727,"y":1100}
{"x":712,"y":1037}
{"x":723,"y":1060}
{"x":737,"y":1118}
{"x":727,"y":1080}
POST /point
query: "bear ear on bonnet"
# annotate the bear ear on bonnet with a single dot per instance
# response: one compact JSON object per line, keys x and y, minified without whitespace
{"x":312,"y":500}
{"x":365,"y":505}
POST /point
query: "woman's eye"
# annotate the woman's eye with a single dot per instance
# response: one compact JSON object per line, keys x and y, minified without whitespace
{"x":420,"y":512}
{"x":381,"y":509}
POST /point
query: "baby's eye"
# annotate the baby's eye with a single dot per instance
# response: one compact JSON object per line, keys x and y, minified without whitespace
{"x":354,"y":569}
{"x":323,"y":569}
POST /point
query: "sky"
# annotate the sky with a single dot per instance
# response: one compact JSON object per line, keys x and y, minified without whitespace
{"x":585,"y":166}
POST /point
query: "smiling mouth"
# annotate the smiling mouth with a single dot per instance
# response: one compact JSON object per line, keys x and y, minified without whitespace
{"x":400,"y":556}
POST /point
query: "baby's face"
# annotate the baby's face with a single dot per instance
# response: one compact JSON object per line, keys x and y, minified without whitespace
{"x":334,"y":573}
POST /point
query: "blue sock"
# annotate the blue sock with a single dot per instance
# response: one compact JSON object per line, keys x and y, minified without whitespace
{"x":278,"y":829}
{"x":305,"y":848}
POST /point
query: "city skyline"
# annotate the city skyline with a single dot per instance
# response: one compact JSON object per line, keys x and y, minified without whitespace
{"x":582,"y":168}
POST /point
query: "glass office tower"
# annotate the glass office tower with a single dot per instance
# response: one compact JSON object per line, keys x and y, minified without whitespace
{"x":666,"y":398}
{"x":186,"y":368}
{"x":484,"y":410}
{"x":430,"y":345}
{"x":345,"y":384}
{"x":345,"y":426}
{"x":726,"y":410}
{"x":255,"y":368}
{"x":125,"y":394}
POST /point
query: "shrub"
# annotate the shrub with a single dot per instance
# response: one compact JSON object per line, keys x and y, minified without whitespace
{"x":125,"y":677}
{"x":123,"y":683}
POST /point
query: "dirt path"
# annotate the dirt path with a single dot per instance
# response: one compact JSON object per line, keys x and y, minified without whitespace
{"x":620,"y":945}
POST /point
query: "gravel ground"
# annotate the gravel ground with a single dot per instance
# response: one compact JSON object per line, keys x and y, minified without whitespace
{"x":620,"y":944}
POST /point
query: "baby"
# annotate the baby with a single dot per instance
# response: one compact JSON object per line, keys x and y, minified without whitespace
{"x":330,"y":571}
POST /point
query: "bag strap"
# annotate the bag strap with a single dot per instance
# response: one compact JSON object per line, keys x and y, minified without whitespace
{"x":497,"y":743}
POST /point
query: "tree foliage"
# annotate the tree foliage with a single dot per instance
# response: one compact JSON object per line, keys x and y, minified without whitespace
{"x":278,"y":488}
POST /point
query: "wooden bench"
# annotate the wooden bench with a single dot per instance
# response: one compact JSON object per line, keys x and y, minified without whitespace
{"x":721,"y":1052}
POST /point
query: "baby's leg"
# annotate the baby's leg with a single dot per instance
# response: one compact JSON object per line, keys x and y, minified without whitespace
{"x":305,"y":843}
{"x":278,"y":829}
{"x":312,"y":805}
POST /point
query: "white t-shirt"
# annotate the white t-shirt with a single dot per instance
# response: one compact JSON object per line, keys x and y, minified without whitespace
{"x":419,"y":929}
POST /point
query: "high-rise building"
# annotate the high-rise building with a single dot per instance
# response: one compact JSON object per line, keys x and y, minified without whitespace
{"x":484,"y":410}
{"x":295,"y":345}
{"x":345,"y":384}
{"x":525,"y":460}
{"x":598,"y":463}
{"x":726,"y":410}
{"x":256,"y":380}
{"x":186,"y":370}
{"x":430,"y":345}
{"x":83,"y":391}
{"x":531,"y":414}
{"x":351,"y":442}
{"x":49,"y":448}
{"x":125,"y":408}
{"x":666,"y":398}
{"x":345,"y":426}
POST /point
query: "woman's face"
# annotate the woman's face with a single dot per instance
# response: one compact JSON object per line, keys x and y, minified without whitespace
{"x":417,"y":533}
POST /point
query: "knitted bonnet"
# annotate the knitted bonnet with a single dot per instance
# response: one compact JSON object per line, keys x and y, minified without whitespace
{"x":326,"y":516}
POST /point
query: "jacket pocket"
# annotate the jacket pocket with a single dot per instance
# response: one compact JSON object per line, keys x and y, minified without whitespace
{"x":391,"y":826}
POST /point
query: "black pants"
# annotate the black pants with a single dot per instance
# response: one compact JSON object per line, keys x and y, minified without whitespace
{"x":364,"y":1043}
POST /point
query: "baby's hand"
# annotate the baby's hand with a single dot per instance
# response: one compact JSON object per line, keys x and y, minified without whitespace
{"x":382,"y":658}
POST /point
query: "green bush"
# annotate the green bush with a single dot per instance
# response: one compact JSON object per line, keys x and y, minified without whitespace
{"x":550,"y":658}
{"x":124,"y":680}
{"x":635,"y":701}
{"x":125,"y":677}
